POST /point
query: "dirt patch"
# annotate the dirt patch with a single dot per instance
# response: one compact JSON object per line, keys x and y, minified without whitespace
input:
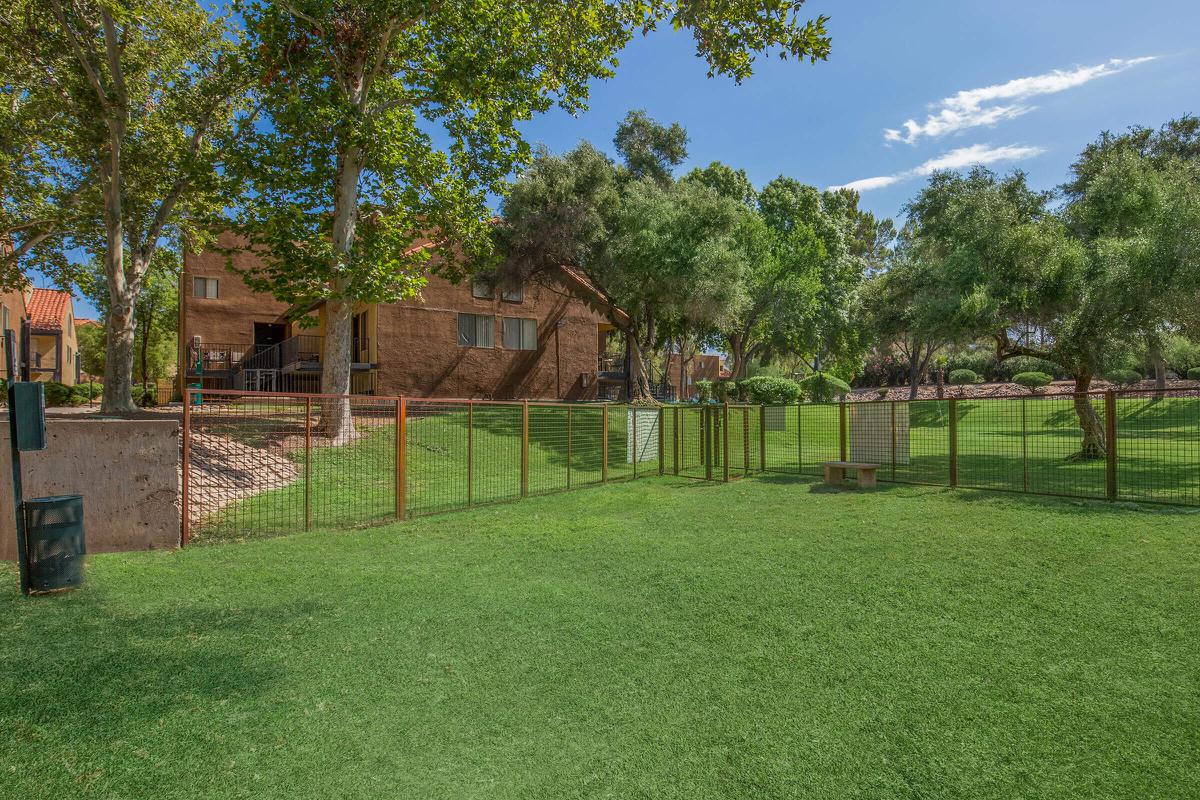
{"x":224,"y":471}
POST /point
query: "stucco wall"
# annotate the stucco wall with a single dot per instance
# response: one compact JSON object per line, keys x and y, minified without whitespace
{"x":126,"y":470}
{"x":419,"y":354}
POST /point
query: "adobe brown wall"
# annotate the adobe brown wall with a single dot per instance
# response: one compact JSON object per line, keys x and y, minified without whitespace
{"x":126,"y":470}
{"x":419,"y":353}
{"x":231,"y":316}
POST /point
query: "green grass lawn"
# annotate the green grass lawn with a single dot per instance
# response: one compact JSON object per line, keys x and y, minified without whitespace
{"x":659,"y":638}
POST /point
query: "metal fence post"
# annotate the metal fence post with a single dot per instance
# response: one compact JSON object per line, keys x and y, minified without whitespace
{"x":1110,"y":450}
{"x":725,"y":441}
{"x":893,"y":404}
{"x":953,"y":442}
{"x":401,"y":458}
{"x":706,"y":437}
{"x":307,"y":463}
{"x":745,"y":440}
{"x":799,"y":439}
{"x":762,"y":438}
{"x":524,"y":448}
{"x":632,"y":414}
{"x":185,"y":497}
{"x":843,"y":433}
{"x":662,"y":413}
{"x":604,"y":443}
{"x":1024,"y":449}
{"x":470,"y":453}
{"x":568,"y":447}
{"x":675,"y":444}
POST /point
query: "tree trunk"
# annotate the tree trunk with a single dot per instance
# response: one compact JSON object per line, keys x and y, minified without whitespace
{"x":639,"y":382}
{"x":737,"y":352}
{"x":914,"y":372}
{"x":1092,"y":427}
{"x":144,"y":356}
{"x":120,"y":326}
{"x":1160,"y":369}
{"x":336,"y":421}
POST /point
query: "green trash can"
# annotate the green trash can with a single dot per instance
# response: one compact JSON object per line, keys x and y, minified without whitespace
{"x":54,"y":531}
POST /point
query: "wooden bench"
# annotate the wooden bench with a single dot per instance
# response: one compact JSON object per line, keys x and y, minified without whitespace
{"x":835,"y":473}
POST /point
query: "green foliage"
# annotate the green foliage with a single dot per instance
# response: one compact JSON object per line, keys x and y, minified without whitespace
{"x":1032,"y":380}
{"x":705,"y":391}
{"x":130,"y":108}
{"x":1123,"y":377}
{"x":665,"y":255}
{"x":1181,"y":354}
{"x":821,"y":387}
{"x":1193,"y":374}
{"x":963,"y":377}
{"x":91,"y":339}
{"x":725,"y":391}
{"x":386,"y":121}
{"x":768,"y":390}
{"x":58,"y":394}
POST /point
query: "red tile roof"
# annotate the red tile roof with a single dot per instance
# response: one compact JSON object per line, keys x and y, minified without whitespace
{"x":46,"y":308}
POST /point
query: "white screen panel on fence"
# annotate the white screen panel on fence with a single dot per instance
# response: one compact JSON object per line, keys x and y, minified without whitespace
{"x":871,"y":434}
{"x":775,"y":418}
{"x":646,"y":445}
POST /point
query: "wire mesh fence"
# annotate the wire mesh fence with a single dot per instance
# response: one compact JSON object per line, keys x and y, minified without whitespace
{"x":276,"y":463}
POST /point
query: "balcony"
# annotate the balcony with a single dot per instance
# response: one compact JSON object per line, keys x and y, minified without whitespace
{"x":303,"y":352}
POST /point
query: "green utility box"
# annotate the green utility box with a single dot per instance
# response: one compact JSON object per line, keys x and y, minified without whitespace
{"x":54,"y":530}
{"x":29,"y":400}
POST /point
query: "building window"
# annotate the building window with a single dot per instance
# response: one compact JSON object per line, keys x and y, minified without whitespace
{"x":520,"y":334}
{"x":205,"y":288}
{"x":482,"y":290}
{"x":513,"y":295}
{"x":476,"y":330}
{"x":69,"y":355}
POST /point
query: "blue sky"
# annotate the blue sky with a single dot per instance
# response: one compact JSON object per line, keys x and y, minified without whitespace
{"x":1087,"y":65}
{"x":897,"y":61}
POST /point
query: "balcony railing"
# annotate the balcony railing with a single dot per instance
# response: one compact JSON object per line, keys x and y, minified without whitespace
{"x":217,"y":357}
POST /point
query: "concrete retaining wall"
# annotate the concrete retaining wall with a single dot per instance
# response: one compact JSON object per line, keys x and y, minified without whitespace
{"x":126,"y":470}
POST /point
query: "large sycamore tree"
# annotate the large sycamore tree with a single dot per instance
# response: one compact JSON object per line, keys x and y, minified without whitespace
{"x":391,"y":122}
{"x":117,"y":114}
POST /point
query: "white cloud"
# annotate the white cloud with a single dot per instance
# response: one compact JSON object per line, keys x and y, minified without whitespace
{"x":992,"y":104}
{"x":955,"y":159}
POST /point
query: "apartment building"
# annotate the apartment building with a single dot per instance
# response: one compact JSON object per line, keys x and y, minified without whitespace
{"x":468,"y":340}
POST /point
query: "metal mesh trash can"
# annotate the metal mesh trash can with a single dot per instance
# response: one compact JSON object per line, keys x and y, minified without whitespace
{"x":54,"y":530}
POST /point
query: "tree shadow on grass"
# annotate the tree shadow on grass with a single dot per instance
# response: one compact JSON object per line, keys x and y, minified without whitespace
{"x":72,"y":665}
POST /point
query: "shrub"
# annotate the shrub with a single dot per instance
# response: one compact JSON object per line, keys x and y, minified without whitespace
{"x":704,"y":391}
{"x":822,"y":388}
{"x":768,"y":390}
{"x":1011,"y":368}
{"x":58,"y":394}
{"x":79,"y":392}
{"x":724,"y":391}
{"x":1032,"y":380}
{"x":1123,"y":377}
{"x":981,"y":362}
{"x":1193,"y":374}
{"x":963,"y":377}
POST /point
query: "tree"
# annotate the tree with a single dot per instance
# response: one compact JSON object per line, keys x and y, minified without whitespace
{"x":662,"y":256}
{"x":392,"y":122}
{"x":1120,"y":260}
{"x":904,"y":307}
{"x":821,"y":234}
{"x":144,"y":92}
{"x":156,"y":311}
{"x":1111,"y":192}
